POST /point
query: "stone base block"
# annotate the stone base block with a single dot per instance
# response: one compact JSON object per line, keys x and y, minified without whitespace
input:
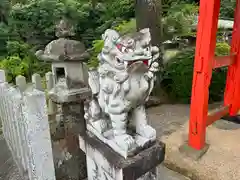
{"x":141,"y":142}
{"x":104,"y":163}
{"x":193,"y":153}
{"x":73,"y":95}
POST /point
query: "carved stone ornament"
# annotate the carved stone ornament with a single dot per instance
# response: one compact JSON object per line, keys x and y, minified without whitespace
{"x":120,"y":86}
{"x":63,"y":49}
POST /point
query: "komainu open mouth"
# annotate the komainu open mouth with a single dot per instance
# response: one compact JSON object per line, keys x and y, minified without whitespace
{"x":128,"y":54}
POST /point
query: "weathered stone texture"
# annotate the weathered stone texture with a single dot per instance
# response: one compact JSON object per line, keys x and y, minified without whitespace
{"x":104,"y":162}
{"x":70,"y":160}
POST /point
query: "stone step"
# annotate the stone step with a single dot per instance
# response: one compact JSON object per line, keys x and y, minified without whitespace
{"x":167,"y":174}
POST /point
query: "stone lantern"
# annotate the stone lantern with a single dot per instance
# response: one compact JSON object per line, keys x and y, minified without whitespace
{"x":67,"y":58}
{"x":70,"y":89}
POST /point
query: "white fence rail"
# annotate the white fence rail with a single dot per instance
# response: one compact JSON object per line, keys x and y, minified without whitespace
{"x":26,"y":130}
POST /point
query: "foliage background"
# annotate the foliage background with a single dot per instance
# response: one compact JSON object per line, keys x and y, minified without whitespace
{"x":178,"y":73}
{"x":28,"y":25}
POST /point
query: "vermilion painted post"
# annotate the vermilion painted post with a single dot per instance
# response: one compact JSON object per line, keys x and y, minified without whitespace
{"x":205,"y":46}
{"x":232,"y":91}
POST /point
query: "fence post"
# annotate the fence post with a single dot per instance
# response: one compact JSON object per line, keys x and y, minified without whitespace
{"x":3,"y":87}
{"x":21,"y":83}
{"x":37,"y":82}
{"x":2,"y":76}
{"x":14,"y":107}
{"x":203,"y":64}
{"x":20,"y":127}
{"x":52,"y":107}
{"x":38,"y":134}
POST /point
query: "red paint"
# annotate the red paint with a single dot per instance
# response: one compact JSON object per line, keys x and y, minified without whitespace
{"x":204,"y":63}
{"x":232,"y":90}
{"x":214,"y":116}
{"x":119,"y":46}
{"x":223,"y":61}
{"x":145,"y":62}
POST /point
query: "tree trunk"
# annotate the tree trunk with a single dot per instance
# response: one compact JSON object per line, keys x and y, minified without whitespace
{"x":94,"y":3}
{"x":149,"y":15}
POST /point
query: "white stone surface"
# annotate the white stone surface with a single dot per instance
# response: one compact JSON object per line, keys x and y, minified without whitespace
{"x":37,"y":82}
{"x":26,"y":129}
{"x":2,"y":76}
{"x":222,"y":23}
{"x":52,"y":107}
{"x":120,"y":87}
{"x":99,"y":168}
{"x":38,"y":135}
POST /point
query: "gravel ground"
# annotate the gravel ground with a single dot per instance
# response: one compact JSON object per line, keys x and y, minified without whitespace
{"x":165,"y":118}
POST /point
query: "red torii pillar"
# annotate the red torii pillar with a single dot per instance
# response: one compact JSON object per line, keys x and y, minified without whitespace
{"x":205,"y":62}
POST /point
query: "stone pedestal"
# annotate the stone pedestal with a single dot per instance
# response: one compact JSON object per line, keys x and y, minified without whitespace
{"x":73,"y":124}
{"x":105,"y":164}
{"x":67,"y":86}
{"x":72,"y":160}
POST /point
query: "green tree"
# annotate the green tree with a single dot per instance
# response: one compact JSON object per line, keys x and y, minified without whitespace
{"x":20,"y":60}
{"x":179,"y":20}
{"x":178,"y":75}
{"x":34,"y":21}
{"x":227,"y":8}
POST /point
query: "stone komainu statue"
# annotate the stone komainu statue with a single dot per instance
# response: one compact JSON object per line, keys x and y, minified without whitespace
{"x":120,"y":86}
